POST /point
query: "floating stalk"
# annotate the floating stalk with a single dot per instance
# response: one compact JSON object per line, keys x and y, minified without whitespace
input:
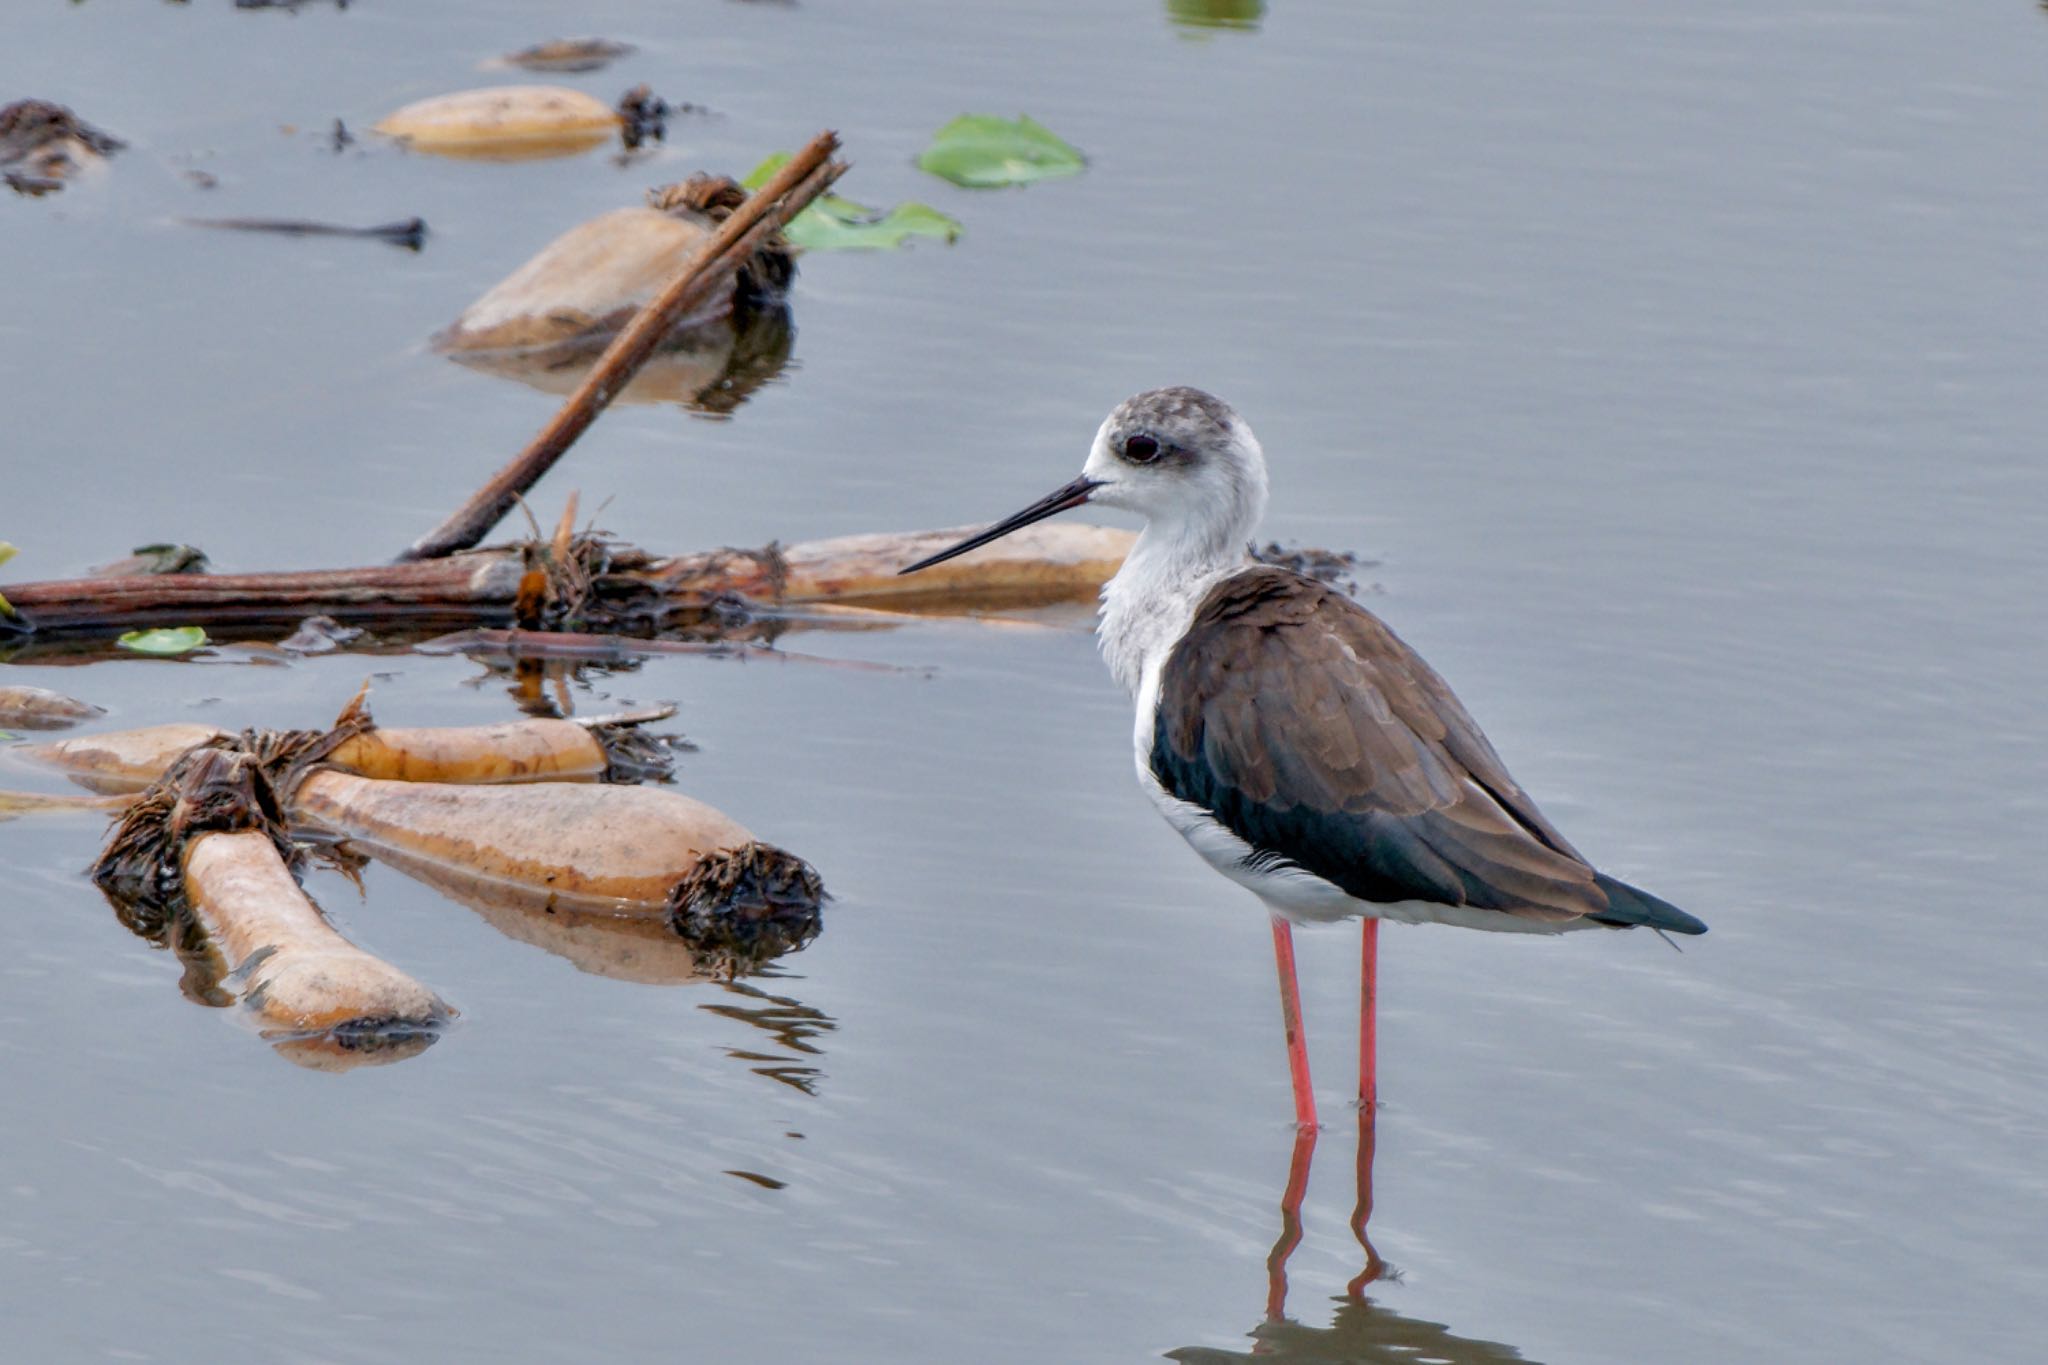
{"x":601,"y":748}
{"x":206,"y":848}
{"x":629,"y":851}
{"x":596,"y":585}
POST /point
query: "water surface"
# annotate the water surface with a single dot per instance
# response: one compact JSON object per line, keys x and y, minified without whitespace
{"x":1680,"y":366}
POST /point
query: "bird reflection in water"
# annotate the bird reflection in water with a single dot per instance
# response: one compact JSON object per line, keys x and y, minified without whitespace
{"x":1362,"y":1332}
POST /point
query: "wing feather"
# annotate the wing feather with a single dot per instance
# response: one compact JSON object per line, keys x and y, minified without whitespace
{"x":1320,"y":738}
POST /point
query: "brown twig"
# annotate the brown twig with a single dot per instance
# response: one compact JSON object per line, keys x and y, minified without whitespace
{"x":624,"y":589}
{"x":410,"y":234}
{"x":803,"y":178}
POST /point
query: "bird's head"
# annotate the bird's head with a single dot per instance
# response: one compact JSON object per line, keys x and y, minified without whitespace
{"x":1182,"y":459}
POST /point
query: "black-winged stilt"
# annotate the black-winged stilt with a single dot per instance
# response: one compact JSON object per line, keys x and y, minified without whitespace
{"x":1299,"y":746}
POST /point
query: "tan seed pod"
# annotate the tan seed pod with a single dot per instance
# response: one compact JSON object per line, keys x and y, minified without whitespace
{"x":585,"y":284}
{"x":511,"y":751}
{"x":597,"y":847}
{"x":506,"y":123}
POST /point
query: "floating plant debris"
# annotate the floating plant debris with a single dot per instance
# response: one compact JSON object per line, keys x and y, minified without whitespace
{"x":38,"y":708}
{"x":568,"y":55}
{"x":981,"y":151}
{"x":42,"y":145}
{"x":411,"y":233}
{"x":204,"y":854}
{"x":590,"y":281}
{"x":160,"y":558}
{"x":164,"y":641}
{"x":837,"y":224}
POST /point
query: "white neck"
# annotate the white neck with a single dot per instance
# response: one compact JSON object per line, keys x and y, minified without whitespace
{"x":1148,"y":604}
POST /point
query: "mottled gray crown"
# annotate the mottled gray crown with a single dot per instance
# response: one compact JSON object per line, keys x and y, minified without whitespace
{"x":1180,"y":418}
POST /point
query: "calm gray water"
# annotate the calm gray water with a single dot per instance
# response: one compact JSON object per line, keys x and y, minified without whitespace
{"x":1681,"y":365}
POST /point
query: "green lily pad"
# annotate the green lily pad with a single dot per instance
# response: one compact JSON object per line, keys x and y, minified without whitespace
{"x":982,"y":151}
{"x":165,"y":641}
{"x":835,"y":224}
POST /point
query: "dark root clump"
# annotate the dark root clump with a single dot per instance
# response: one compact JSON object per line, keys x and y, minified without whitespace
{"x":214,"y":788}
{"x":763,"y":280}
{"x":233,"y":783}
{"x":743,"y":907}
{"x":381,"y":1034}
{"x":634,"y":755}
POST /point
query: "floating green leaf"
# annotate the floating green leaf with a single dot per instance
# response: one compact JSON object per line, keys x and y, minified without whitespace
{"x":981,"y":151}
{"x":835,"y":224}
{"x":1237,"y":14}
{"x":7,"y":552}
{"x":165,"y":641}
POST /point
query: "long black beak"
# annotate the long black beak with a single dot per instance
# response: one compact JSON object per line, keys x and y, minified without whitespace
{"x":1059,"y":500}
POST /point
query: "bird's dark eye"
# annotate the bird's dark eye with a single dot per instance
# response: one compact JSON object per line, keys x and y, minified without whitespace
{"x":1141,"y":449}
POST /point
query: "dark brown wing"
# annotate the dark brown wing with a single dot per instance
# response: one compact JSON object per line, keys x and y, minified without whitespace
{"x":1319,"y":738}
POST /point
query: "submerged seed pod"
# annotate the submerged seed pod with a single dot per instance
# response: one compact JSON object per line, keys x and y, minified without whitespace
{"x":13,"y":804}
{"x":512,"y":751}
{"x":583,"y":286}
{"x":553,"y":315}
{"x":38,"y":708}
{"x":204,"y":848}
{"x":121,"y":760}
{"x":297,"y":975}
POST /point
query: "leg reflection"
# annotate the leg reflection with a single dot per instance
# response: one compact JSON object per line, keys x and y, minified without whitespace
{"x":1361,"y":1212}
{"x":1290,"y":1217}
{"x":1290,"y":1224}
{"x":1362,"y":1331}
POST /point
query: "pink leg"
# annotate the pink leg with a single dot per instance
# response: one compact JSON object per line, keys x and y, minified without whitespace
{"x":1290,"y":1010}
{"x":1290,"y":1224}
{"x":1368,"y":1019}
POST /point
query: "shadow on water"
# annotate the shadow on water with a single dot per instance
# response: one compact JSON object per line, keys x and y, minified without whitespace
{"x":1362,"y":1331}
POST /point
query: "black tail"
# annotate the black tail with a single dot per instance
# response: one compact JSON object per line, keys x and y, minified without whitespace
{"x":1628,"y":907}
